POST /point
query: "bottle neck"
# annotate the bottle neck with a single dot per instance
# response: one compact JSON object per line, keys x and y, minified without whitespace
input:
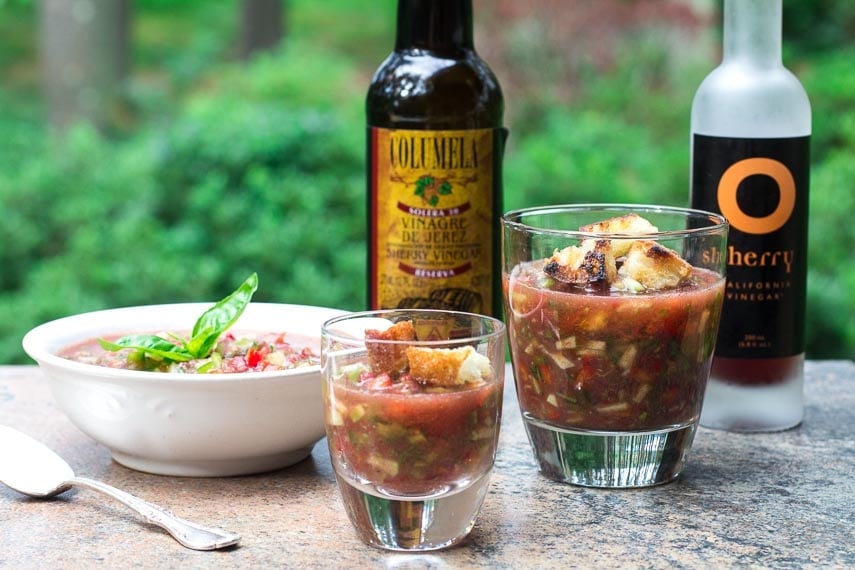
{"x":752,"y":31}
{"x":438,"y":25}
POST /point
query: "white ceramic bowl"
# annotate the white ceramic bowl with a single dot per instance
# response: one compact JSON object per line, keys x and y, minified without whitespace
{"x":186,"y":424}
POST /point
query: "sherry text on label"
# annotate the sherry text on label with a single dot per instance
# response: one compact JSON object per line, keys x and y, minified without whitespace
{"x":738,"y":258}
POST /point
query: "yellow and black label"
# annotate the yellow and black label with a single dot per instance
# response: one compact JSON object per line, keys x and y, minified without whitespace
{"x":431,"y":207}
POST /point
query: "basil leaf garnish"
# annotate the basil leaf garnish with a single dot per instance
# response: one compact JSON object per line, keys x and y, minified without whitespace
{"x":220,"y":317}
{"x":207,"y":330}
{"x":158,"y":347}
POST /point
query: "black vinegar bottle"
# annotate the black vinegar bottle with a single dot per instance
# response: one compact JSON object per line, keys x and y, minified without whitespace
{"x":751,"y":128}
{"x":435,"y":144}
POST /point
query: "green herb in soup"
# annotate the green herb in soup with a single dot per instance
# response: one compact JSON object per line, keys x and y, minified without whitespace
{"x":234,"y":352}
{"x":208,"y":328}
{"x":209,"y":348}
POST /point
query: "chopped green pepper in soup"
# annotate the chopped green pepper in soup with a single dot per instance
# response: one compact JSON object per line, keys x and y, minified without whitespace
{"x":233,"y":352}
{"x":412,"y":439}
{"x":414,"y":420}
{"x":207,"y":349}
{"x":611,"y":360}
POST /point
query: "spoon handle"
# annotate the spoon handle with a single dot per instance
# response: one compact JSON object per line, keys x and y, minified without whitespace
{"x":189,"y":534}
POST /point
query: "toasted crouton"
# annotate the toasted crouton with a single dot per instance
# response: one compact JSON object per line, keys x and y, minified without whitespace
{"x":447,"y":366}
{"x":630,"y":224}
{"x":386,"y":357}
{"x":592,"y":262}
{"x":654,"y":266}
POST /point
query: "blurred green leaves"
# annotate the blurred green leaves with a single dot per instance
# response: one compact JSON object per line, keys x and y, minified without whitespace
{"x":232,"y":169}
{"x":231,"y":186}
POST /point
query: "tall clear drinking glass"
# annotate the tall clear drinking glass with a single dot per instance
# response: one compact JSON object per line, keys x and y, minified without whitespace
{"x":612,"y":314}
{"x":413,"y":402}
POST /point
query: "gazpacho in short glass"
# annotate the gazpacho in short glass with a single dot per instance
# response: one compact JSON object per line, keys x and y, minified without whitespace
{"x":413,"y":408}
{"x":612,"y":314}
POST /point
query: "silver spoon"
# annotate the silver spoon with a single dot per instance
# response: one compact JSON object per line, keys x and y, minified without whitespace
{"x":32,"y":469}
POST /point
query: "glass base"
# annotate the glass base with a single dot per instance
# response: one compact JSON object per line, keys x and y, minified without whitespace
{"x":413,"y":524}
{"x":616,"y":460}
{"x":741,"y":408}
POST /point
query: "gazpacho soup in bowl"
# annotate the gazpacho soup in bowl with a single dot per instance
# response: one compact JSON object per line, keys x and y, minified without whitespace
{"x":206,"y":401}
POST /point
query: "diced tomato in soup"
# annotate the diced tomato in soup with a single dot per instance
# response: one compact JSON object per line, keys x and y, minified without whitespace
{"x":411,"y":439}
{"x":611,"y":360}
{"x":234,"y":352}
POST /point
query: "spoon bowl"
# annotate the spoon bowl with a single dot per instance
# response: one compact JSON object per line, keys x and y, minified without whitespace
{"x":36,"y":471}
{"x":33,"y":469}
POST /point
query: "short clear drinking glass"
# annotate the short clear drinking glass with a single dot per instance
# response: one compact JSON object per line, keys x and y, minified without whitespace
{"x":612,"y":314}
{"x":413,"y":402}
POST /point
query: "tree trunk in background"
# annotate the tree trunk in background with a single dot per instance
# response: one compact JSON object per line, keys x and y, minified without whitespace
{"x":261,"y":26}
{"x":85,"y":58}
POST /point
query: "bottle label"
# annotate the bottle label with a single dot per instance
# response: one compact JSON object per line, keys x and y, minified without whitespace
{"x":431,"y":243}
{"x":761,"y":187}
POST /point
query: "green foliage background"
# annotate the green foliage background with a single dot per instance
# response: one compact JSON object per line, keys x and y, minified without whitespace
{"x":220,"y":168}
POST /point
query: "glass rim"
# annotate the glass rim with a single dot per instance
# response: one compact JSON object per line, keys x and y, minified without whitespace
{"x":717,"y":221}
{"x":347,"y":336}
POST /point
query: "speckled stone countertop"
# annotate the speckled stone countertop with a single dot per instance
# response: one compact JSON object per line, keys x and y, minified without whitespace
{"x":781,"y":500}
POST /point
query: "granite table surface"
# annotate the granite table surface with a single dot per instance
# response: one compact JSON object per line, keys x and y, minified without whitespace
{"x":777,"y":500}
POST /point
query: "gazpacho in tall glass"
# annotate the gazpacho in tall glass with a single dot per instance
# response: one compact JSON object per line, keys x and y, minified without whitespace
{"x":610,"y":333}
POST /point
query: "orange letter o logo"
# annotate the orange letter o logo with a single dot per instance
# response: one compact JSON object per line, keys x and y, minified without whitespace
{"x":733,"y":177}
